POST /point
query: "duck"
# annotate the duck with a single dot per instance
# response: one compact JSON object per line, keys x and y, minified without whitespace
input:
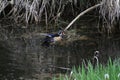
{"x":53,"y":38}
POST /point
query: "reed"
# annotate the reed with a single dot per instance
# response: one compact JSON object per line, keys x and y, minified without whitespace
{"x":50,"y":11}
{"x":38,"y":10}
{"x":110,"y":11}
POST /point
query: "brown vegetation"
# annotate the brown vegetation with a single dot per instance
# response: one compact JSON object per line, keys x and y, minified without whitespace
{"x":58,"y":11}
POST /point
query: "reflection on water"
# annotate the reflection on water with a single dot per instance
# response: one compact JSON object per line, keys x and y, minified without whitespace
{"x":8,"y":69}
{"x":23,"y":58}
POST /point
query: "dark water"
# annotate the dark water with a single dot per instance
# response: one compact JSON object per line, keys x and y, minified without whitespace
{"x":23,"y":58}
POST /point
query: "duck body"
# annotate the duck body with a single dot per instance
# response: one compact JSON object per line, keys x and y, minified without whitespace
{"x":52,"y":38}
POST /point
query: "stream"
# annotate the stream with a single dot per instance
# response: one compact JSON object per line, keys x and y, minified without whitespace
{"x":23,"y":58}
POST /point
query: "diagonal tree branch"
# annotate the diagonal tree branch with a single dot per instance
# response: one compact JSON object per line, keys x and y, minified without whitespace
{"x":81,"y":14}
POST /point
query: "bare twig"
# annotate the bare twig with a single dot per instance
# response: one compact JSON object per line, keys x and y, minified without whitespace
{"x":61,"y":67}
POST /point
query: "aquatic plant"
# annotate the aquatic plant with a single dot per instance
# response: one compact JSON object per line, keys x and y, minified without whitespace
{"x":101,"y":72}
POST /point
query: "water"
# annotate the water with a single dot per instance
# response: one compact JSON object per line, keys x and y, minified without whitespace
{"x":23,"y":58}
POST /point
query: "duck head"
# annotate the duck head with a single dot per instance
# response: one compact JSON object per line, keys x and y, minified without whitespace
{"x":61,"y":33}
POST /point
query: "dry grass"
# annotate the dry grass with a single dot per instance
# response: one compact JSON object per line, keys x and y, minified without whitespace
{"x":37,"y":10}
{"x":33,"y":10}
{"x":110,"y":11}
{"x":3,"y":4}
{"x":49,"y":11}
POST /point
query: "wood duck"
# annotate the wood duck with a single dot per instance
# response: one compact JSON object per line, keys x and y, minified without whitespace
{"x":53,"y":38}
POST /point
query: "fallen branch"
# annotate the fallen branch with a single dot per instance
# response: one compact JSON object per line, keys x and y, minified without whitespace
{"x":81,"y":14}
{"x":63,"y":68}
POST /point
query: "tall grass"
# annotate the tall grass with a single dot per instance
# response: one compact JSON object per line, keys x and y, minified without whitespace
{"x":109,"y":72}
{"x":38,"y":10}
{"x":33,"y":10}
{"x":110,"y":11}
{"x":3,"y":4}
{"x":49,"y":11}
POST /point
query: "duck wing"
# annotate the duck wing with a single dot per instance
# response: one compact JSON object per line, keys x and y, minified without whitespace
{"x":43,"y":34}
